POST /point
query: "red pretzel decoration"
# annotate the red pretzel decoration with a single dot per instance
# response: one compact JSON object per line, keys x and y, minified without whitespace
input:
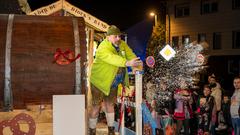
{"x":15,"y":127}
{"x":64,"y":58}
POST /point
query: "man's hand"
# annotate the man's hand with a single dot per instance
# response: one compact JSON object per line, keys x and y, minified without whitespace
{"x":135,"y":62}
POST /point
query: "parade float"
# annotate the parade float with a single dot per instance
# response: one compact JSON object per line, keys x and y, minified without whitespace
{"x":44,"y":53}
{"x":48,"y":53}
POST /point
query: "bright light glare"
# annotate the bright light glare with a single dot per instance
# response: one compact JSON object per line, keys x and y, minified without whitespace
{"x":152,"y":14}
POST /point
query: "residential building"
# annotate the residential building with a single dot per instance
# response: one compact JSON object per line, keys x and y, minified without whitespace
{"x":215,"y":21}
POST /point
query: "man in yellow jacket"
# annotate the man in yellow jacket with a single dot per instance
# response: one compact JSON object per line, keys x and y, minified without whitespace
{"x":109,"y":70}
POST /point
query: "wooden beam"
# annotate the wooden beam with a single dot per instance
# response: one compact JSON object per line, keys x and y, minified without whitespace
{"x":8,"y":101}
{"x":138,"y":97}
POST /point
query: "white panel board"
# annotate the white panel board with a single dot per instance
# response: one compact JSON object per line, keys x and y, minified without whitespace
{"x":69,"y":115}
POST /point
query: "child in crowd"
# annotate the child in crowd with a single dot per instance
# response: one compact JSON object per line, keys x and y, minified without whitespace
{"x":224,"y":118}
{"x":205,"y":111}
{"x":183,"y":110}
{"x":202,"y":117}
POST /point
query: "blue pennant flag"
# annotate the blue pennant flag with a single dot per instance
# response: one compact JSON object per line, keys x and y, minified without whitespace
{"x":147,"y":118}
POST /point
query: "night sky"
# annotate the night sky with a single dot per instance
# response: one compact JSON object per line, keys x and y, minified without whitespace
{"x":123,"y":13}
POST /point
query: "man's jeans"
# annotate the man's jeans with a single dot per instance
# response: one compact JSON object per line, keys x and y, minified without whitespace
{"x":236,"y":125}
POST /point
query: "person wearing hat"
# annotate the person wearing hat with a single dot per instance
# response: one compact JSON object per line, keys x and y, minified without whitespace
{"x":109,"y":69}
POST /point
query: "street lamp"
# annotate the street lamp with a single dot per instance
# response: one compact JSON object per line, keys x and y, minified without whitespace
{"x":155,"y":17}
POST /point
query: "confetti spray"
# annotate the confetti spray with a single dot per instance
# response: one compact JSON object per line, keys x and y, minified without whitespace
{"x":184,"y":64}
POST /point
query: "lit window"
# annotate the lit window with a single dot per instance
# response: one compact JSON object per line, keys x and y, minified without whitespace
{"x":201,"y":37}
{"x":185,"y":39}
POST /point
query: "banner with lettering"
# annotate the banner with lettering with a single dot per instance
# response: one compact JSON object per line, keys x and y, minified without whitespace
{"x":49,"y":9}
{"x":100,"y":25}
{"x":62,"y":4}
